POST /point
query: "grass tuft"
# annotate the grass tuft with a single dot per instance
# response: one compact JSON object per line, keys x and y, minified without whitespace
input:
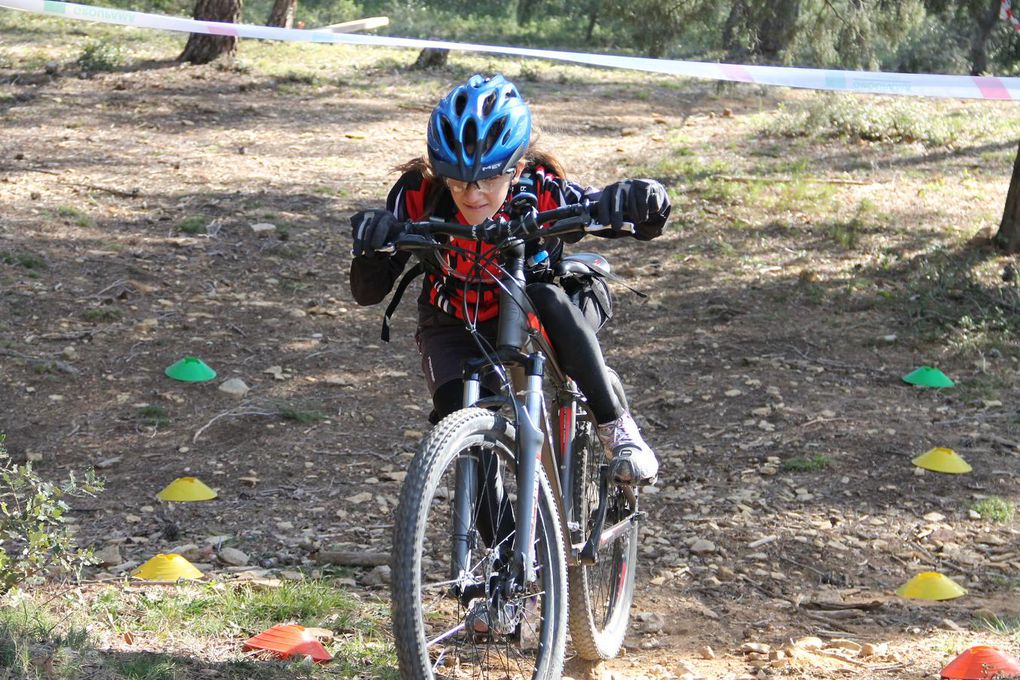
{"x":193,"y":225}
{"x":102,"y":314}
{"x":996,"y":509}
{"x":805,"y":464}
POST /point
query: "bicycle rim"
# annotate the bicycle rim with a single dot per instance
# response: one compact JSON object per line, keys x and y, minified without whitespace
{"x":600,"y":594}
{"x":441,"y":635}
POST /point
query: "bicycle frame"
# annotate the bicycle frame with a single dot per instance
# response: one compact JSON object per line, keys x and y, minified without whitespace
{"x":518,"y":328}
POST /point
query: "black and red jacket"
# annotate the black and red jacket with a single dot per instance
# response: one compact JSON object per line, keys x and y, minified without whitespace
{"x":442,"y":297}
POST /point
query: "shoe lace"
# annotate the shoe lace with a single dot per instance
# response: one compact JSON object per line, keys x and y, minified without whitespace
{"x":626,"y":433}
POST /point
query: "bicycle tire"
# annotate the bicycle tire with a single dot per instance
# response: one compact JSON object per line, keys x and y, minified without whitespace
{"x":423,"y":608}
{"x":601,"y":594}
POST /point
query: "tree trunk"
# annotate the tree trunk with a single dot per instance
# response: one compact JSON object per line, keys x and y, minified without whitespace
{"x":201,"y":49}
{"x":283,"y":13}
{"x":593,"y":16}
{"x":1008,"y":237}
{"x":979,"y":46}
{"x":430,"y":58}
{"x":525,"y":10}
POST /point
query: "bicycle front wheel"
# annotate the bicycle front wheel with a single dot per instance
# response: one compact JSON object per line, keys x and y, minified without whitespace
{"x":452,"y":616}
{"x":600,"y":594}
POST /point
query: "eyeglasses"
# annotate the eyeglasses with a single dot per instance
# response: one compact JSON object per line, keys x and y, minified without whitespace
{"x":487,"y":185}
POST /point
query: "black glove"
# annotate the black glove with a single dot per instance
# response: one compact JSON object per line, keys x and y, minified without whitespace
{"x":640,"y":206}
{"x":372,"y":229}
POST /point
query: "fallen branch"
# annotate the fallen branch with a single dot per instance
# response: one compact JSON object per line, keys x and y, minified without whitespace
{"x":61,"y":366}
{"x":228,"y":414}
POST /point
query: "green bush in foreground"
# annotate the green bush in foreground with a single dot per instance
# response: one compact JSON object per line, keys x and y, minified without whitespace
{"x":995,"y":509}
{"x":33,"y":537}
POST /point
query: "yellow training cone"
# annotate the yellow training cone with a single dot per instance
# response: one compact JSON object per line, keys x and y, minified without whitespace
{"x":186,"y":489}
{"x":167,"y":568}
{"x":942,"y":460}
{"x":930,"y":585}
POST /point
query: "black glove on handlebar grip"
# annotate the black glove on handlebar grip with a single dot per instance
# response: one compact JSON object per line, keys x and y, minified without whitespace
{"x":372,"y":229}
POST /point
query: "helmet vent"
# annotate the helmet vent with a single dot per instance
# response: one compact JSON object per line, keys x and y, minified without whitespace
{"x":494,"y":132}
{"x":460,"y":103}
{"x":470,"y":137}
{"x":488,"y":103}
{"x":448,"y":134}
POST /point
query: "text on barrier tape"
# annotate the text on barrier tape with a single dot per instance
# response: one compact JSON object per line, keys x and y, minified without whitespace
{"x":910,"y":84}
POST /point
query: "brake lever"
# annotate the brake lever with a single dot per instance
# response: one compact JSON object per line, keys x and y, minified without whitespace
{"x":409,"y":241}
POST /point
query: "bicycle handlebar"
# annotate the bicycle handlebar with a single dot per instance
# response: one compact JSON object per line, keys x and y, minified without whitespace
{"x":570,"y":218}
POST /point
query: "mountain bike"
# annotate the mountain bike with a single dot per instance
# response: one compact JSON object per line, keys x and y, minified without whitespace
{"x":512,"y":497}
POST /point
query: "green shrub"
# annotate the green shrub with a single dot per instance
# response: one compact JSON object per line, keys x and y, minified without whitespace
{"x":34,"y":541}
{"x":995,"y":509}
{"x":804,"y":464}
{"x":76,"y":216}
{"x":99,"y":55}
{"x":855,"y":118}
{"x":193,"y":225}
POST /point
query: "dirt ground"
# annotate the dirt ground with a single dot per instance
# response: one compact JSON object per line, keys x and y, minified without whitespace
{"x":753,"y":348}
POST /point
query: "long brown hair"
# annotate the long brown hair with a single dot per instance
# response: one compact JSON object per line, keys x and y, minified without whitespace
{"x":534,"y":156}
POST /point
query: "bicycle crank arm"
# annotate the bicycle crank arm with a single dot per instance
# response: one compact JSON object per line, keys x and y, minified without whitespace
{"x":599,"y":536}
{"x":608,"y":536}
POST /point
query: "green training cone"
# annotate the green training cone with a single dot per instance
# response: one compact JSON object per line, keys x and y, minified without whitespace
{"x":190,"y":369}
{"x":926,"y":376}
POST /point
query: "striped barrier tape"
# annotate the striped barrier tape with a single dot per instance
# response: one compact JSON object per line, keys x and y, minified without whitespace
{"x":874,"y":82}
{"x":1007,"y":13}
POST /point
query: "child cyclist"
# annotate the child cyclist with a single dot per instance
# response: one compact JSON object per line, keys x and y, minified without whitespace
{"x":479,"y":158}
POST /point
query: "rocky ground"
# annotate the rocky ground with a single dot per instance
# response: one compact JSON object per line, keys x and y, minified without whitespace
{"x":765,"y":364}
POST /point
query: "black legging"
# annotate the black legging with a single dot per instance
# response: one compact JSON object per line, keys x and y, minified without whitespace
{"x":577,"y":347}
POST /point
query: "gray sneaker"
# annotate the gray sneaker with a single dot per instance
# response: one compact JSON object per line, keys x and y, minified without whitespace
{"x":624,"y":440}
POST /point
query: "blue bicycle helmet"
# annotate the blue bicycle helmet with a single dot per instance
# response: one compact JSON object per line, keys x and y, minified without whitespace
{"x":480,"y":129}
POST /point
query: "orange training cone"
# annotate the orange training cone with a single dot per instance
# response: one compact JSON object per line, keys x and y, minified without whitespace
{"x":982,"y":663}
{"x":286,"y":640}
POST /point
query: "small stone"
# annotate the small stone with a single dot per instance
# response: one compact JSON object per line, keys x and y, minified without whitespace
{"x":754,"y":647}
{"x":69,"y":353}
{"x":973,"y":514}
{"x":108,"y":556}
{"x":108,"y":462}
{"x":218,"y":540}
{"x":874,"y":649}
{"x":841,"y":643}
{"x":706,"y":652}
{"x":360,"y":498}
{"x":935,"y":517}
{"x":234,"y":387}
{"x":702,"y":546}
{"x":276,"y":372}
{"x":233,"y":557}
{"x":809,"y":642}
{"x":733,"y":393}
{"x":379,"y":576}
{"x":263,"y":229}
{"x":321,"y":634}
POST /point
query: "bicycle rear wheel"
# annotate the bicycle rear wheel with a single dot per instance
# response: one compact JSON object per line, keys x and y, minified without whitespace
{"x":600,"y":594}
{"x":444,"y":624}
